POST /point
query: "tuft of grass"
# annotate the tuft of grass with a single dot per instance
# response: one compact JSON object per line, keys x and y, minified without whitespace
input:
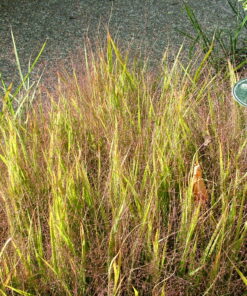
{"x":18,"y":101}
{"x":225,"y":44}
{"x":96,"y":189}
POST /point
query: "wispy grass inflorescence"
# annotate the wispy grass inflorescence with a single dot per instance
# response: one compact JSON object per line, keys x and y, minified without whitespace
{"x":96,"y":190}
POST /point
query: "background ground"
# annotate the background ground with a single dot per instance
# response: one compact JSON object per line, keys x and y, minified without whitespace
{"x":148,"y":26}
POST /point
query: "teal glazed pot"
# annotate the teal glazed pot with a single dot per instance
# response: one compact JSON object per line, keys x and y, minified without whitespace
{"x":240,"y":92}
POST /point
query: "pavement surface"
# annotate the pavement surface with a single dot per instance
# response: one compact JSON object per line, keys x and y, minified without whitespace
{"x":147,"y":27}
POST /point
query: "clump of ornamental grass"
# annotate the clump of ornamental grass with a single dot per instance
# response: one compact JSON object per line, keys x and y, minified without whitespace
{"x":227,"y":44}
{"x":96,"y":183}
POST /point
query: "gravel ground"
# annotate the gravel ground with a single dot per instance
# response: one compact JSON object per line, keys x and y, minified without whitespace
{"x":147,"y":25}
